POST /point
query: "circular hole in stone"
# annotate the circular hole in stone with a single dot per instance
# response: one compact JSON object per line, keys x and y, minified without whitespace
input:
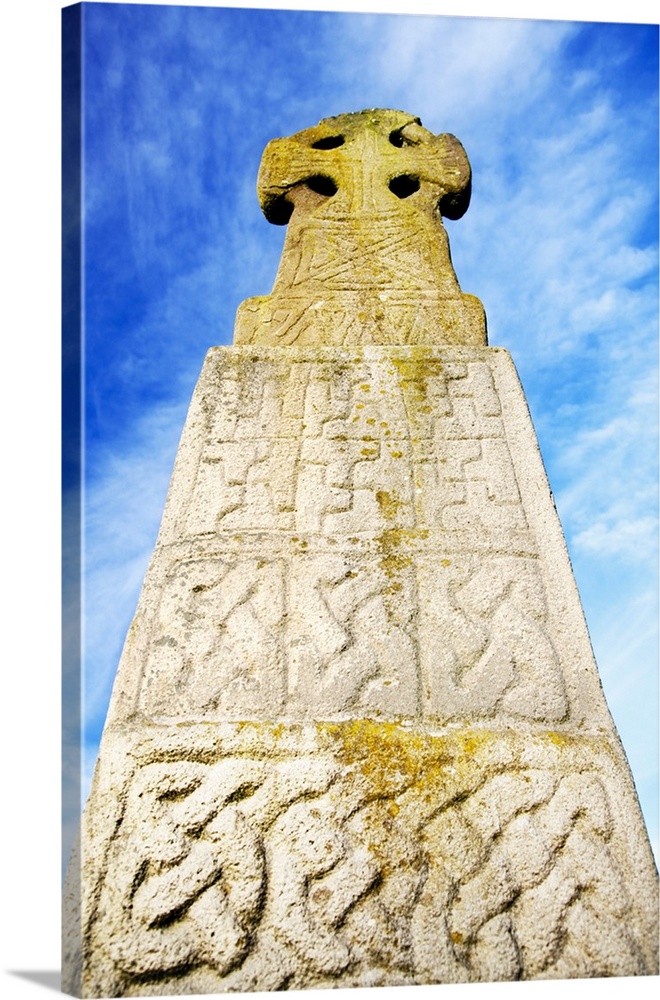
{"x":322,"y":185}
{"x":278,"y":210}
{"x":329,"y":142}
{"x":404,"y":185}
{"x":396,"y":138}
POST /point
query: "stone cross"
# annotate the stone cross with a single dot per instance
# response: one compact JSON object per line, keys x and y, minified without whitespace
{"x":366,"y":257}
{"x":357,"y":736}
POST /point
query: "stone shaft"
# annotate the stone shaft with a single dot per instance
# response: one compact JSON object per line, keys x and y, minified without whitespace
{"x":357,"y":735}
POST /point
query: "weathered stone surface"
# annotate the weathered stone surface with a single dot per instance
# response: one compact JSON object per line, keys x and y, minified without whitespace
{"x":357,"y":735}
{"x":254,"y":856}
{"x":366,"y":257}
{"x":359,"y":531}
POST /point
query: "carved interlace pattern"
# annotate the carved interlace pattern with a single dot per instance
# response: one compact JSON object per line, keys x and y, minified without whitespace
{"x":354,"y":540}
{"x":407,"y":864}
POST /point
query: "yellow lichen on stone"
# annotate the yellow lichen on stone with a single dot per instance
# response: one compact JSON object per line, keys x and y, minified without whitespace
{"x":388,"y":503}
{"x":415,"y":370}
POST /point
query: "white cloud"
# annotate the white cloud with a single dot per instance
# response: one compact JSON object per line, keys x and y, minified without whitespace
{"x":459,"y":67}
{"x":609,"y":464}
{"x":614,"y":535}
{"x":124,"y":503}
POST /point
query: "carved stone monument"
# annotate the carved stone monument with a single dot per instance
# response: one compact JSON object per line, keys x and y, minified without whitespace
{"x":357,"y":735}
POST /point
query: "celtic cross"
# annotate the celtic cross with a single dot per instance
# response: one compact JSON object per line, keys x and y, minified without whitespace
{"x":366,"y":257}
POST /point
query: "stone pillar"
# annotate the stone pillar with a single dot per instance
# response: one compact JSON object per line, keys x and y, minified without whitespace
{"x":357,"y":736}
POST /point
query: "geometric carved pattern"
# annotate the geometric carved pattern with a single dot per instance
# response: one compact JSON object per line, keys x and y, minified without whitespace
{"x":371,"y":854}
{"x":350,"y":317}
{"x":321,"y":635}
{"x":308,"y":446}
{"x":353,"y":539}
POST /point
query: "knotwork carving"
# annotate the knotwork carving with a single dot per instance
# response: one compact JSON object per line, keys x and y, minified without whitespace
{"x":375,"y":855}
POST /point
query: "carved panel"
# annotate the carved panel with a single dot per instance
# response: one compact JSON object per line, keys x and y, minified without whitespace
{"x":355,"y":541}
{"x":376,"y":630}
{"x":367,"y":856}
{"x":310,"y":446}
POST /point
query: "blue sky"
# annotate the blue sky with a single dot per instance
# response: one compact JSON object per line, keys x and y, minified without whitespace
{"x":560,"y":122}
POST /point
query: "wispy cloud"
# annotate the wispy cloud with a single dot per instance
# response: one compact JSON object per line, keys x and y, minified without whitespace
{"x":123,"y":504}
{"x":609,"y":502}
